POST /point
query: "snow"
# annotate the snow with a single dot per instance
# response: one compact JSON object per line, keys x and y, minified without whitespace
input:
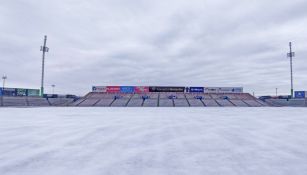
{"x":151,"y":141}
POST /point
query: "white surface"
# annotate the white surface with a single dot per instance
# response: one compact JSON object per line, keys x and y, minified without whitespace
{"x":151,"y":141}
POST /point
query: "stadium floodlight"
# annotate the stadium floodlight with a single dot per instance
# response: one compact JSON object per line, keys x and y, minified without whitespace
{"x":4,"y":77}
{"x":291,"y":55}
{"x":44,"y":49}
{"x":53,"y":86}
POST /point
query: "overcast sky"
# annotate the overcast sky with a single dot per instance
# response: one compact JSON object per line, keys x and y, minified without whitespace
{"x":154,"y":42}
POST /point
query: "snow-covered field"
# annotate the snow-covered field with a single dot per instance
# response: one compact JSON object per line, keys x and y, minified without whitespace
{"x":152,"y":141}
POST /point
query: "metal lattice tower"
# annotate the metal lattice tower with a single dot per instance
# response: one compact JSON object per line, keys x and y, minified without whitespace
{"x":291,"y":55}
{"x":44,"y":49}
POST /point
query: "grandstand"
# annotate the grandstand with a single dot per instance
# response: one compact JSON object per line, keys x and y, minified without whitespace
{"x":166,"y":99}
{"x":130,"y":96}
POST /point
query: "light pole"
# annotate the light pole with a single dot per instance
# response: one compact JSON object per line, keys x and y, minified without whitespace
{"x":44,"y":49}
{"x":291,"y":55}
{"x":53,"y":86}
{"x":4,"y":77}
{"x":276,"y":91}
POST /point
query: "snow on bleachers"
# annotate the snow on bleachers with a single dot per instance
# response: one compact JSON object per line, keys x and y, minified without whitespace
{"x":37,"y":101}
{"x":121,"y":102}
{"x":166,"y":95}
{"x":181,"y":103}
{"x":239,"y":103}
{"x":105,"y":102}
{"x":60,"y":101}
{"x":14,"y":101}
{"x":210,"y":103}
{"x":195,"y":102}
{"x":224,"y":102}
{"x":253,"y":103}
{"x":166,"y":103}
{"x":89,"y":102}
{"x":135,"y":102}
{"x":150,"y":102}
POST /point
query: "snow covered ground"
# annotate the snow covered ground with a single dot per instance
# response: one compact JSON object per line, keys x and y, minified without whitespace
{"x":152,"y":141}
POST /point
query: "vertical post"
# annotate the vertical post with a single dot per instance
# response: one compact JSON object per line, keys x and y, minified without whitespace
{"x":276,"y":91}
{"x":291,"y":68}
{"x":53,"y":86}
{"x":44,"y":49}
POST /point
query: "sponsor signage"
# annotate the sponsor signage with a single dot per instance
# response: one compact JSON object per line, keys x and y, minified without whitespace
{"x":1,"y":92}
{"x":99,"y":89}
{"x":21,"y":92}
{"x":224,"y":89}
{"x":196,"y":89}
{"x":113,"y":89}
{"x":127,"y":89}
{"x":141,"y":89}
{"x":300,"y":94}
{"x":166,"y":89}
{"x":33,"y":92}
{"x":9,"y":92}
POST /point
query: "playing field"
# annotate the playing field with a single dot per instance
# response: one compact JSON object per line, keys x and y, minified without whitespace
{"x":152,"y":141}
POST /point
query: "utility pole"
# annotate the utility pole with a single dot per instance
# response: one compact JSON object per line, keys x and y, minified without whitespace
{"x":291,"y":55}
{"x":44,"y":49}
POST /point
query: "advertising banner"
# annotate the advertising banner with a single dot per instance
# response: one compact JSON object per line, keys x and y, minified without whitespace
{"x":166,"y":89}
{"x":21,"y":92}
{"x":33,"y":92}
{"x":9,"y":92}
{"x":224,"y":89}
{"x":127,"y":89}
{"x":99,"y":89}
{"x":113,"y":89}
{"x":141,"y":89}
{"x":196,"y":89}
{"x":300,"y":94}
{"x":0,"y":91}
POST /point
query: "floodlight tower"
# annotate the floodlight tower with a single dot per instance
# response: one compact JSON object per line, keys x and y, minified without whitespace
{"x":44,"y":49}
{"x":4,"y":77}
{"x":53,"y":86}
{"x":291,"y":55}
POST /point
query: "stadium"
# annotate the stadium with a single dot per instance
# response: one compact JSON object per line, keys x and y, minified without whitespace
{"x":162,"y":87}
{"x":137,"y":96}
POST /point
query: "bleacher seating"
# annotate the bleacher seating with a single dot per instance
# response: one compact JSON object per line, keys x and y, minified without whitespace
{"x":150,"y":102}
{"x":15,"y":101}
{"x":89,"y":102}
{"x":181,"y":102}
{"x":224,"y":103}
{"x":195,"y":102}
{"x":253,"y":103}
{"x":60,"y":101}
{"x":135,"y":102}
{"x":239,"y":103}
{"x":120,"y":102}
{"x":166,"y":103}
{"x":105,"y":102}
{"x":162,"y":99}
{"x":37,"y":101}
{"x":210,"y":103}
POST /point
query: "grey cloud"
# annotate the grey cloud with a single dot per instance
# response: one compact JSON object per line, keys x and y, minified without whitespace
{"x":141,"y":42}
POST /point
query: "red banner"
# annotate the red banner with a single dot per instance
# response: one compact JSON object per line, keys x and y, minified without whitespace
{"x":113,"y":89}
{"x":141,"y":89}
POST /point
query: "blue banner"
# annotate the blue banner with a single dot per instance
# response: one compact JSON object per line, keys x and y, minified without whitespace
{"x":197,"y":89}
{"x":0,"y":91}
{"x":127,"y":89}
{"x":300,"y":94}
